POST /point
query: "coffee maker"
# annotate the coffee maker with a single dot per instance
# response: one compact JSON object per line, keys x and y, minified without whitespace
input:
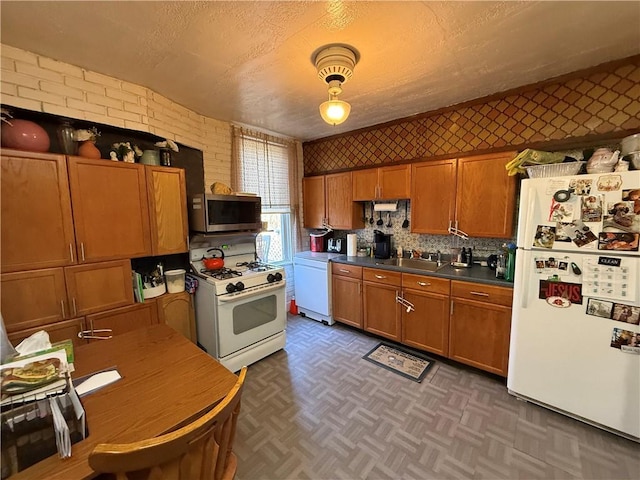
{"x":382,"y":247}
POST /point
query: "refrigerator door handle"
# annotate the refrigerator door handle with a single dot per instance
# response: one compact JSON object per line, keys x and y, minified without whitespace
{"x":523,"y":280}
{"x":528,"y":237}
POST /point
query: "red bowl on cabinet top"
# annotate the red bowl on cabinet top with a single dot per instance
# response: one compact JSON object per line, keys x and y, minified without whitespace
{"x":25,"y":135}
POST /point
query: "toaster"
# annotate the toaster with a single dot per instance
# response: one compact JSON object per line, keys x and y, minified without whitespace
{"x":334,"y":245}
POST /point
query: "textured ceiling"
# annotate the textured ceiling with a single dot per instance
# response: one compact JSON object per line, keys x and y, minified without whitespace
{"x":250,"y":62}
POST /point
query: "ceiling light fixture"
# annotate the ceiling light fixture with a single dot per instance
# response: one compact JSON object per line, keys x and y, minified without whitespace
{"x":335,"y":64}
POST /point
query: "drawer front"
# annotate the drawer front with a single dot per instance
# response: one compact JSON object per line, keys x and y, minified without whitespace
{"x":426,"y":284}
{"x":346,"y":270}
{"x":385,"y":277}
{"x":482,"y":293}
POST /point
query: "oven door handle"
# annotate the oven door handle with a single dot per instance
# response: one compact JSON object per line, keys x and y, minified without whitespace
{"x":250,"y":293}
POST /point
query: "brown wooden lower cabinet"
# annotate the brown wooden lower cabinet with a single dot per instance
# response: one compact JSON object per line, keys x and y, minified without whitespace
{"x":104,"y":325}
{"x":58,"y":331}
{"x":382,"y":314}
{"x":41,"y":297}
{"x":480,"y":325}
{"x":346,"y":294}
{"x":176,"y":310}
{"x":465,"y":321}
{"x":426,"y":326}
{"x":347,"y":300}
{"x":33,"y":298}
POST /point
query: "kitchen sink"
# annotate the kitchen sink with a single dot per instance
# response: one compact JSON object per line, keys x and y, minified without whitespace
{"x":416,"y":263}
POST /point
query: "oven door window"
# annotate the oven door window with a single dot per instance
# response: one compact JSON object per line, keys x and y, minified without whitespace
{"x":253,"y":314}
{"x":251,"y":319}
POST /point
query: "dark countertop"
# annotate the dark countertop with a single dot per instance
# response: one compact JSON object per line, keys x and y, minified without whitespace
{"x":474,"y":274}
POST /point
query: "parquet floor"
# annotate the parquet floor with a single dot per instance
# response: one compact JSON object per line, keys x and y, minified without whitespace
{"x":317,"y":410}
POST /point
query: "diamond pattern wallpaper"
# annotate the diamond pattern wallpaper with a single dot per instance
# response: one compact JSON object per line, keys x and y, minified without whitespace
{"x":589,"y":104}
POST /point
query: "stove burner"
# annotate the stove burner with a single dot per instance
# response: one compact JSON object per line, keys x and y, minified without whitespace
{"x":255,"y":266}
{"x":222,"y":273}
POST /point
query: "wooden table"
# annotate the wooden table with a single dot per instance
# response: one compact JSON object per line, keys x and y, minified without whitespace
{"x":166,"y":382}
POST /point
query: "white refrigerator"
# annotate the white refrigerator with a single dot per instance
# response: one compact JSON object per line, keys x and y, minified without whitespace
{"x":575,"y":341}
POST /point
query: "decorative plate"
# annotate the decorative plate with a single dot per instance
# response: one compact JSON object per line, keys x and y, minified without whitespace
{"x":559,"y":302}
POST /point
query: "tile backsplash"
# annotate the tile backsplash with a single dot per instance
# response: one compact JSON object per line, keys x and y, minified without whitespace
{"x":482,"y":247}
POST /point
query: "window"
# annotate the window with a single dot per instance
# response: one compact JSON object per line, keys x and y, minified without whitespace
{"x":267,"y":166}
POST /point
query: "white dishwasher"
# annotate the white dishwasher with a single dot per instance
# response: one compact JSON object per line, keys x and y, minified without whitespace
{"x":312,"y":280}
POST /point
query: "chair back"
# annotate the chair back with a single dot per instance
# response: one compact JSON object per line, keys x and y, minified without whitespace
{"x":199,"y":450}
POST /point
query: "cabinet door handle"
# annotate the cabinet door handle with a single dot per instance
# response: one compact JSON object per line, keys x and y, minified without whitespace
{"x":424,"y":284}
{"x":479,"y":294}
{"x":75,"y":310}
{"x":82,"y":250}
{"x":88,"y":334}
{"x":71,"y":252}
{"x":62,"y":305}
{"x":345,"y":271}
{"x":380,"y":276}
{"x":451,"y":309}
{"x":359,"y":288}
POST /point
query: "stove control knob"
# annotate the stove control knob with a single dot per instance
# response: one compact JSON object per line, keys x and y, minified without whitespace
{"x":231,"y":288}
{"x":278,"y":276}
{"x":271,"y":278}
{"x":239,"y":286}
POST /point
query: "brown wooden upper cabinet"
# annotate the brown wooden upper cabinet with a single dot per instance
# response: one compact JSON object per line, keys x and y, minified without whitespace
{"x":167,"y":192}
{"x":473,"y":194}
{"x":328,"y":201}
{"x":37,"y":226}
{"x":383,"y":183}
{"x":313,"y":201}
{"x":110,"y":209}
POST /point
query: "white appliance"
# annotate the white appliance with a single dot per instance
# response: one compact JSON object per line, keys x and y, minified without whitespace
{"x":312,"y":280}
{"x":575,"y":341}
{"x":241,"y":308}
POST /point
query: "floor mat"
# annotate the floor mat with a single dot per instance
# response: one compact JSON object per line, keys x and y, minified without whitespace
{"x":411,"y":365}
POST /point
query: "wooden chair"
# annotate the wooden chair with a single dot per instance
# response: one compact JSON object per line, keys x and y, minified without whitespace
{"x":199,"y":450}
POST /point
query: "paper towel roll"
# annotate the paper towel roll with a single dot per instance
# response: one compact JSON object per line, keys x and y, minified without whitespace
{"x":352,"y":245}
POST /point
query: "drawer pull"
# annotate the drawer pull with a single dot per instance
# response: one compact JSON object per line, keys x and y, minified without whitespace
{"x":479,"y":294}
{"x":345,"y":271}
{"x":88,"y":334}
{"x":424,"y":284}
{"x":380,"y":277}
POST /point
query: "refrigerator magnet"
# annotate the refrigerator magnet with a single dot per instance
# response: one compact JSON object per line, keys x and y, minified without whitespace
{"x":609,"y":183}
{"x":626,"y":313}
{"x":545,"y":236}
{"x":561,"y":212}
{"x":562,"y":232}
{"x":628,"y":242}
{"x":599,"y":308}
{"x":581,"y":186}
{"x":592,"y":208}
{"x":562,"y":195}
{"x":626,"y":341}
{"x":621,"y":215}
{"x":581,"y":234}
{"x":572,"y":292}
{"x":632,"y":196}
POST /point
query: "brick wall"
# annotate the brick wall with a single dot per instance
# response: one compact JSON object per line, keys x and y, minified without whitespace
{"x":42,"y":84}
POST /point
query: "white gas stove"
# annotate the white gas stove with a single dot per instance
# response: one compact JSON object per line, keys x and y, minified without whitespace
{"x":240,"y":308}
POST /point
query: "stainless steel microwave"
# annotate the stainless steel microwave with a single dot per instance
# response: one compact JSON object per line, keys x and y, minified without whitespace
{"x":225,"y":213}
